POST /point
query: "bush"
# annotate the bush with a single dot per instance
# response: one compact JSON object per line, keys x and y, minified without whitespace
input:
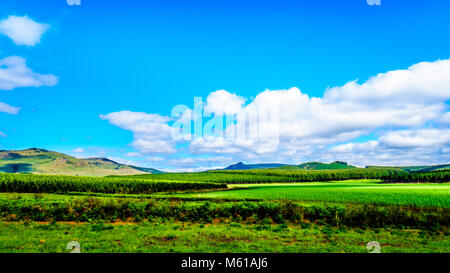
{"x":101,"y":209}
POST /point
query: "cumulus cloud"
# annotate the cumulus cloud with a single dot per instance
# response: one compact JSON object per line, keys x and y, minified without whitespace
{"x":155,"y":158}
{"x":192,"y":169}
{"x":78,"y":150}
{"x":23,"y":30}
{"x":378,"y":153}
{"x":397,"y":99}
{"x":13,"y":70}
{"x":193,"y":160}
{"x":355,"y":147}
{"x":133,"y":154}
{"x":445,"y":119}
{"x":74,"y":2}
{"x":223,"y":102}
{"x":15,"y":73}
{"x":151,"y":132}
{"x":404,"y":111}
{"x":148,"y":144}
{"x":5,"y":108}
{"x":402,"y":147}
{"x":424,"y":82}
{"x":416,"y":138}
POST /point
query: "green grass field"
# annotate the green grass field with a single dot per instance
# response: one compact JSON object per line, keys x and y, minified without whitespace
{"x":192,"y":213}
{"x":169,"y":236}
{"x":358,"y":192}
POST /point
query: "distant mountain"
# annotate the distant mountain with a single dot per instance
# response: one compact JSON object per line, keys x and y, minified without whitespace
{"x":325,"y":166}
{"x":242,"y":166}
{"x":304,"y":166}
{"x":42,"y":161}
{"x":425,"y":168}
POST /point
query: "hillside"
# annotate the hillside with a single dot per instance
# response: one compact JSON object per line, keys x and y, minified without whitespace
{"x":42,"y":161}
{"x":325,"y":166}
{"x":425,"y":168}
{"x":304,"y":166}
{"x":242,"y":166}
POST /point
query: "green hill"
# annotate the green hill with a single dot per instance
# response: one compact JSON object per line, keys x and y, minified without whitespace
{"x":242,"y":166}
{"x":426,"y":168}
{"x":304,"y":166}
{"x":42,"y":161}
{"x":325,"y":166}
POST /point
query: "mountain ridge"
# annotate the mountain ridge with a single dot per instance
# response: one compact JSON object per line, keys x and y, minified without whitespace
{"x":314,"y":165}
{"x":242,"y":166}
{"x":42,"y":161}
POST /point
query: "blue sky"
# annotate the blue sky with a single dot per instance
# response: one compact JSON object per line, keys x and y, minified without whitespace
{"x":147,"y":57}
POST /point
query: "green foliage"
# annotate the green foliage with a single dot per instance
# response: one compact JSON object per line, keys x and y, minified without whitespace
{"x":429,"y":168}
{"x":222,"y":177}
{"x":317,"y":175}
{"x":325,"y":166}
{"x":61,"y":184}
{"x":111,"y":209}
{"x":357,"y":191}
{"x":419,"y":177}
{"x":210,"y":238}
{"x":273,"y":175}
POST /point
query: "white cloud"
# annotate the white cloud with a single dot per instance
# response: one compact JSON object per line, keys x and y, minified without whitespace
{"x":151,"y":132}
{"x":15,"y":73}
{"x":424,"y":82}
{"x":78,"y":150}
{"x":147,"y":144}
{"x":90,"y":151}
{"x":23,"y":30}
{"x":416,"y":138}
{"x":5,"y":108}
{"x":402,"y":147}
{"x":74,"y":2}
{"x":123,"y":161}
{"x":133,"y":154}
{"x":139,"y":122}
{"x":222,"y":102}
{"x":397,"y":99}
{"x":193,"y":160}
{"x":445,"y":119}
{"x":155,"y":158}
{"x":377,"y":153}
{"x":403,"y":110}
{"x":2,"y":134}
{"x":354,"y":147}
{"x":190,"y":170}
{"x":218,"y":145}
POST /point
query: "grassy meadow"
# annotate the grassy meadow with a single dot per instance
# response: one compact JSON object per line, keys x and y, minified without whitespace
{"x":355,"y":191}
{"x":172,"y":236}
{"x":226,"y":211}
